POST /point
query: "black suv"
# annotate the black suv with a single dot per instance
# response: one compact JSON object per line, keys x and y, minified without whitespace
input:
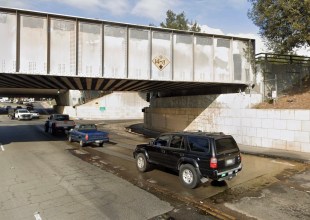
{"x":197,"y":156}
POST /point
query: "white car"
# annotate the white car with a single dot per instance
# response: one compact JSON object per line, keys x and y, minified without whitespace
{"x":23,"y":114}
{"x":34,"y":114}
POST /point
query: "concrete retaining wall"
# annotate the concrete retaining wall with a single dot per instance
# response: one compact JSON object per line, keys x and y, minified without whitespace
{"x":279,"y":129}
{"x":118,"y":105}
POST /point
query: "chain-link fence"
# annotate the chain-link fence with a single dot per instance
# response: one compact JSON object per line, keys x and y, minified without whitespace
{"x":283,"y":73}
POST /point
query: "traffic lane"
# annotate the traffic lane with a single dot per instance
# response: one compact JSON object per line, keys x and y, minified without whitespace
{"x":42,"y":176}
{"x":25,"y":131}
{"x":255,"y":169}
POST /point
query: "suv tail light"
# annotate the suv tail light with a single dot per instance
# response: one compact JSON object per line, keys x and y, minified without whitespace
{"x":86,"y":137}
{"x":213,"y":163}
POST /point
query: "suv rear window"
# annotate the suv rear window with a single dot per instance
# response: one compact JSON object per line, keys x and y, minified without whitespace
{"x":226,"y":145}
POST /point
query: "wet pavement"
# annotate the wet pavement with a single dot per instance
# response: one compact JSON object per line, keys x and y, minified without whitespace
{"x":261,"y":176}
{"x":40,"y":179}
{"x":268,"y":187}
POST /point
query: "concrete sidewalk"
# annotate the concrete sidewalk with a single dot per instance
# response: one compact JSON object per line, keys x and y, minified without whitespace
{"x":259,"y":151}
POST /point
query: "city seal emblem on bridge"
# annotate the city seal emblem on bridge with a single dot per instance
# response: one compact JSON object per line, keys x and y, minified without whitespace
{"x":161,"y":62}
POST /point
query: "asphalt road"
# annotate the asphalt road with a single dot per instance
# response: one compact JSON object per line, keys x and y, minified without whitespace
{"x":41,"y":179}
{"x":42,"y":175}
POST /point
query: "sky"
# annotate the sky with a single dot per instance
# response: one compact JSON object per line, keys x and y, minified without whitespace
{"x":225,"y":17}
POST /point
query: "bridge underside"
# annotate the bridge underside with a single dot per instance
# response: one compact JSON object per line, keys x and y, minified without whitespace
{"x":51,"y":86}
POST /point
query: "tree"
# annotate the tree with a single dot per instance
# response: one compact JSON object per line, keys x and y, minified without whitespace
{"x":179,"y":22}
{"x":284,"y":24}
{"x":194,"y":27}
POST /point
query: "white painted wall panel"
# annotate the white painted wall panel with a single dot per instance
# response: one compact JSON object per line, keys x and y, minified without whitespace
{"x":240,"y":50}
{"x":222,"y":60}
{"x":33,"y":45}
{"x":183,"y":57}
{"x":161,"y":52}
{"x":203,"y":59}
{"x":115,"y":49}
{"x":63,"y":48}
{"x":8,"y":43}
{"x":139,"y":54}
{"x":90,"y":50}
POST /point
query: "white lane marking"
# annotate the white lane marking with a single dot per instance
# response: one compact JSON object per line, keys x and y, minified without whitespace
{"x":2,"y":148}
{"x":284,"y":163}
{"x":37,"y":216}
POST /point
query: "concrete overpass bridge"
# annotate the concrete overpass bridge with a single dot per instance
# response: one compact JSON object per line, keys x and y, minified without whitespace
{"x":44,"y":54}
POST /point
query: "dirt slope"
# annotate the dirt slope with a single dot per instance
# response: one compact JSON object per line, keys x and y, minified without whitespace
{"x":297,"y":97}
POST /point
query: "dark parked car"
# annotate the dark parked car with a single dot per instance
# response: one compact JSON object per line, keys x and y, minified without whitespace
{"x":58,"y":123}
{"x":8,"y":107}
{"x":197,"y":156}
{"x":87,"y":134}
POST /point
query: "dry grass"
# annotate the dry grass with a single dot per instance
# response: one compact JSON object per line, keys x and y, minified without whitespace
{"x":296,"y":98}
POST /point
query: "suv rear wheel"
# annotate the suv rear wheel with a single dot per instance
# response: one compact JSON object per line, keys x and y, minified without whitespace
{"x":188,"y":176}
{"x":142,"y":163}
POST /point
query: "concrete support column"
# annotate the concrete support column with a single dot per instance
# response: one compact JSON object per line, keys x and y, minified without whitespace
{"x":63,"y":99}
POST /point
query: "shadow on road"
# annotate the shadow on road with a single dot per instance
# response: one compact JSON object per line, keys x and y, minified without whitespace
{"x":27,"y":133}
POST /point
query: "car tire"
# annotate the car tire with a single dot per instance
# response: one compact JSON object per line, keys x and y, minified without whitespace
{"x":188,"y":176}
{"x":69,"y":138}
{"x":82,"y":144}
{"x":142,"y":163}
{"x":100,"y":144}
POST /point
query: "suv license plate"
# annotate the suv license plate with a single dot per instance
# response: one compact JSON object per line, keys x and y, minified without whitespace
{"x":230,"y":162}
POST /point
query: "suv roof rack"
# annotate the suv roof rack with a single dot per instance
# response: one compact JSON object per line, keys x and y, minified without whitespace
{"x":204,"y":132}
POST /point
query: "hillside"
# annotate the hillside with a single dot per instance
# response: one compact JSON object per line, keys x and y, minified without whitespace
{"x":297,"y":97}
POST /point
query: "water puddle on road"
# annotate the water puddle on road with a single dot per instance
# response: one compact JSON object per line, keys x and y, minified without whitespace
{"x":258,"y":173}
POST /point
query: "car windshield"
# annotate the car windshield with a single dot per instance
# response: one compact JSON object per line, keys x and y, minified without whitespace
{"x":226,"y":145}
{"x":23,"y":111}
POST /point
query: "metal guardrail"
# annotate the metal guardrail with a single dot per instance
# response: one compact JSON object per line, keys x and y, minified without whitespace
{"x":282,"y":58}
